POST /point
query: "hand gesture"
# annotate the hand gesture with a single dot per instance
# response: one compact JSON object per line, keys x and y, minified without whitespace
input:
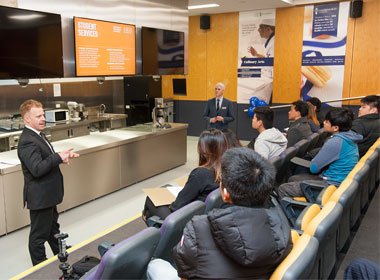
{"x":219,"y":119}
{"x":67,"y":155}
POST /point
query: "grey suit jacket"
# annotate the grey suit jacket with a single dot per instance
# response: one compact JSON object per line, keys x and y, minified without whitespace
{"x":43,"y":180}
{"x":226,"y":111}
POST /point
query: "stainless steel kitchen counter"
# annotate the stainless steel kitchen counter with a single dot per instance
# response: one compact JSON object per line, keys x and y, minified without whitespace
{"x":109,"y":161}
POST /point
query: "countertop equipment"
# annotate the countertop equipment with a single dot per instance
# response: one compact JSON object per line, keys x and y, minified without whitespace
{"x":162,"y":113}
{"x":77,"y":111}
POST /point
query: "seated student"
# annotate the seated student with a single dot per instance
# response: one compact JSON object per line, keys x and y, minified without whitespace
{"x":336,"y":158}
{"x":232,"y":140}
{"x":248,"y":239}
{"x":299,"y":128}
{"x":317,"y":106}
{"x":270,"y":142}
{"x":202,"y":180}
{"x":312,"y":118}
{"x":368,"y":122}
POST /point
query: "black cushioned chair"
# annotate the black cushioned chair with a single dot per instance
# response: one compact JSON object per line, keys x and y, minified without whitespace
{"x":371,"y":158}
{"x":323,"y":135}
{"x":301,"y":147}
{"x":347,"y":195}
{"x":213,"y":200}
{"x":283,"y":173}
{"x":128,"y":259}
{"x":300,"y":261}
{"x":172,"y":228}
{"x":361,"y":174}
{"x":313,"y":140}
{"x":324,"y":227}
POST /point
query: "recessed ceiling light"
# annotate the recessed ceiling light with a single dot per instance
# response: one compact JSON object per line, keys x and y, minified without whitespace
{"x":202,"y":6}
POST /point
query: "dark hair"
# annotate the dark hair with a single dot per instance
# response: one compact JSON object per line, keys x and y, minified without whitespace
{"x":372,"y":101}
{"x":316,"y":102}
{"x":301,"y":107}
{"x":247,"y":176}
{"x":211,"y":145}
{"x":340,"y":117}
{"x":232,"y":140}
{"x":266,"y":115}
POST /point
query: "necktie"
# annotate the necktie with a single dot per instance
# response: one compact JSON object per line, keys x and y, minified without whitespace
{"x":43,"y":136}
{"x":217,"y":104}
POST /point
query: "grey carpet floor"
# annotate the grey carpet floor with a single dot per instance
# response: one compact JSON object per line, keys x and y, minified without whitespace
{"x":52,"y":271}
{"x":366,"y":243}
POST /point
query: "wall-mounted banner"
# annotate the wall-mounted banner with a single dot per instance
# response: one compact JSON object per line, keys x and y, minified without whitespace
{"x":256,"y":52}
{"x":323,"y":51}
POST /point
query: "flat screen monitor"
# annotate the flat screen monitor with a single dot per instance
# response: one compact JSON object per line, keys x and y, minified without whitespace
{"x":30,"y":44}
{"x":179,"y":86}
{"x":163,"y":51}
{"x":104,"y":48}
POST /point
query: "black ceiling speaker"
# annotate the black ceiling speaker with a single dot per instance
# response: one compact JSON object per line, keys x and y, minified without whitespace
{"x":205,"y":22}
{"x":356,"y":8}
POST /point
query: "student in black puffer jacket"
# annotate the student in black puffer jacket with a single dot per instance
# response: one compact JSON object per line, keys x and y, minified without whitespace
{"x":247,"y":240}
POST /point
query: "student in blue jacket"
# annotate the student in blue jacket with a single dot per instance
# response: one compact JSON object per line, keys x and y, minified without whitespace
{"x":337,"y":157}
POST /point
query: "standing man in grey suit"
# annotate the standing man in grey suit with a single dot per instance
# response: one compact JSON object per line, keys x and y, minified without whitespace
{"x":43,"y":181}
{"x":218,"y":112}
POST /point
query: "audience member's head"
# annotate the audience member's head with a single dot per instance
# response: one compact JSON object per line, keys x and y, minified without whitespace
{"x":369,"y":105}
{"x":247,"y":178}
{"x":263,"y":118}
{"x":312,"y":114}
{"x":232,"y":140}
{"x":211,"y":145}
{"x":338,"y":120}
{"x":298,"y":110}
{"x":316,"y":102}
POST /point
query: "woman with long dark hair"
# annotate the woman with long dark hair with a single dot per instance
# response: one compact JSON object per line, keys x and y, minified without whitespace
{"x":202,"y":180}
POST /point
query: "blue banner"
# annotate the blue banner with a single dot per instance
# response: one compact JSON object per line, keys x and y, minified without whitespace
{"x":249,"y":72}
{"x":265,"y":61}
{"x":324,"y":60}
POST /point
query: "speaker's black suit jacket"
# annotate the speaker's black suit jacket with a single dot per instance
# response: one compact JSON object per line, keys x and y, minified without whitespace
{"x":43,"y":180}
{"x":225,"y":111}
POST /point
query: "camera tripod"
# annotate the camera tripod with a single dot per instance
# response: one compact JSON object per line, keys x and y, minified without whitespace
{"x":63,"y":255}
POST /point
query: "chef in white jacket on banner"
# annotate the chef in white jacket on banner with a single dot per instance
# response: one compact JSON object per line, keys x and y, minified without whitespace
{"x":266,"y":30}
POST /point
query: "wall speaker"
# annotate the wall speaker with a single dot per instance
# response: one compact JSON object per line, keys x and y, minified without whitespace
{"x":204,"y":22}
{"x":356,"y":8}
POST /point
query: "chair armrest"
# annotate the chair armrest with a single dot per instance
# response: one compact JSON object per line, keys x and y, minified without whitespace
{"x":155,"y":221}
{"x":293,"y":209}
{"x":325,"y":195}
{"x":311,"y":190}
{"x":104,"y":247}
{"x":306,"y":216}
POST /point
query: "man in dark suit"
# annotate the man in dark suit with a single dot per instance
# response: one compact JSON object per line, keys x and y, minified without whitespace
{"x":218,"y":112}
{"x":43,"y":181}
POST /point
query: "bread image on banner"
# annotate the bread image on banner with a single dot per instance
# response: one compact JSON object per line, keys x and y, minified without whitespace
{"x":317,"y":75}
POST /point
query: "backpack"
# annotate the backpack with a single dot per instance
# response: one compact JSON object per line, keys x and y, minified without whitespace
{"x":84,"y":265}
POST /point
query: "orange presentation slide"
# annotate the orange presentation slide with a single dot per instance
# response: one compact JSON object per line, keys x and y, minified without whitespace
{"x":104,"y":48}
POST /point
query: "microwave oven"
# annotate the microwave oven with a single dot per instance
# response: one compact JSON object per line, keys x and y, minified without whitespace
{"x":57,"y":115}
